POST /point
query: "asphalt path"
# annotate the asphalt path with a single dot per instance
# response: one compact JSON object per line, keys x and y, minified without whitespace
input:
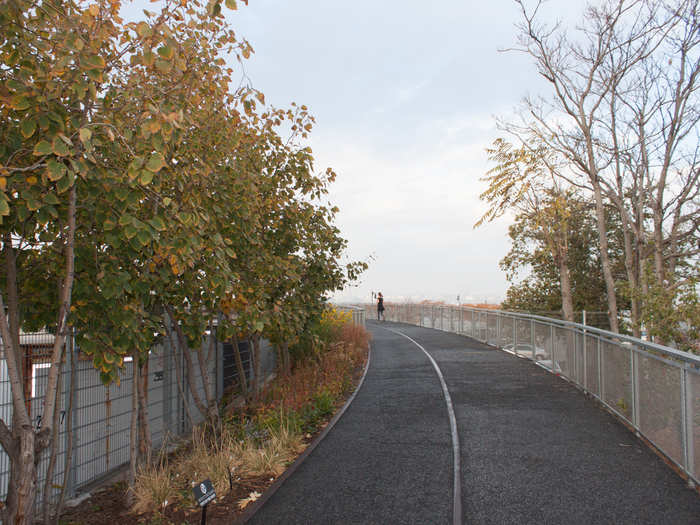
{"x":533,"y":449}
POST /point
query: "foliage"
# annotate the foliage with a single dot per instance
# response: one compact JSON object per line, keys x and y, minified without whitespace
{"x":539,"y":290}
{"x":136,"y":179}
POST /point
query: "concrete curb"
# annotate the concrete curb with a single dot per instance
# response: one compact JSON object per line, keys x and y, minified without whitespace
{"x":253,"y":508}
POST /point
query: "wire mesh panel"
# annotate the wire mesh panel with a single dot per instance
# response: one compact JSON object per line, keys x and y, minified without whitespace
{"x":660,"y":408}
{"x":592,"y":364}
{"x":564,"y":345}
{"x":524,"y":332}
{"x":101,"y":421}
{"x":539,"y":349}
{"x":492,"y":328}
{"x":579,"y":359}
{"x":507,"y":335}
{"x":617,"y":383}
{"x":693,"y":415}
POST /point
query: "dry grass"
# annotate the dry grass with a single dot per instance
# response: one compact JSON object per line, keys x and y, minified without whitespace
{"x":154,"y":488}
{"x":271,"y":457}
{"x":268,"y":453}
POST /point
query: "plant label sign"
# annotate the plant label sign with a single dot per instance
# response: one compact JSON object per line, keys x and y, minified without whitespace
{"x":204,"y":492}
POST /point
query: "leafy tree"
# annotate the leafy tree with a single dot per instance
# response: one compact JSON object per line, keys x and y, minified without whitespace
{"x":135,"y":182}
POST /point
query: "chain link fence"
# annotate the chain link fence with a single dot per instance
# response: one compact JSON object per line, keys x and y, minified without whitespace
{"x":652,"y":388}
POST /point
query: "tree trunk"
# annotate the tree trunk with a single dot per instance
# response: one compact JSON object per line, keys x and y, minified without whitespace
{"x":69,"y":430}
{"x":212,"y":414}
{"x":145,"y":442}
{"x":567,"y":301}
{"x":605,"y":257}
{"x":134,"y":432}
{"x":23,"y":480}
{"x":633,"y":282}
{"x":48,"y":481}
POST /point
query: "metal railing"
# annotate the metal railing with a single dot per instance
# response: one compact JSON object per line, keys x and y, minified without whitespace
{"x":358,"y":313}
{"x":652,"y":388}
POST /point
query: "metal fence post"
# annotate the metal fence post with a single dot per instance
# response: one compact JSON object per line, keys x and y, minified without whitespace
{"x":634,"y":361}
{"x":687,"y":413}
{"x":601,"y":373}
{"x":585,"y":361}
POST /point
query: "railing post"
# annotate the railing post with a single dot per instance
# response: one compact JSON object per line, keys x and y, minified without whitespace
{"x":634,"y":361}
{"x":687,"y":413}
{"x":601,"y":373}
{"x":585,"y":361}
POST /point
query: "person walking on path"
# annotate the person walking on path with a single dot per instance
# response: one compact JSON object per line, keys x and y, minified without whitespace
{"x":380,"y":307}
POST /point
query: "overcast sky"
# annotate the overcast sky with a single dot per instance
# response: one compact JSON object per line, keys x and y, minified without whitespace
{"x":405,"y":93}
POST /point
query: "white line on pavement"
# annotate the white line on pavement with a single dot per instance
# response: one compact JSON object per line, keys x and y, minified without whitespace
{"x":456,"y":459}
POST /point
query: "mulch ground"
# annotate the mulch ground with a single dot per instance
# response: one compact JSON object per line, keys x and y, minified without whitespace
{"x":108,"y":505}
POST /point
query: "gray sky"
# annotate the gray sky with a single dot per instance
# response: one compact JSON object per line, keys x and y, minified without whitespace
{"x":405,"y":94}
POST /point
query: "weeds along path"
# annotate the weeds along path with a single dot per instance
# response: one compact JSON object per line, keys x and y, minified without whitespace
{"x":387,"y":460}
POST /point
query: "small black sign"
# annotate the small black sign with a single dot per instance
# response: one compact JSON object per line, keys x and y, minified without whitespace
{"x":204,"y":492}
{"x":157,"y":376}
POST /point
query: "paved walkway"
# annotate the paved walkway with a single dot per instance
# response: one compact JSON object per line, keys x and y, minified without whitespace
{"x":533,"y":448}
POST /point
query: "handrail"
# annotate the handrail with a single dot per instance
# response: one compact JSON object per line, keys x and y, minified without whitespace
{"x":673,"y":352}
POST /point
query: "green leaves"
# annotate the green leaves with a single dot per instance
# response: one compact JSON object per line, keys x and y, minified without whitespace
{"x":28,"y":127}
{"x":167,"y":52}
{"x":155,"y":163}
{"x":42,"y":148}
{"x":55,"y":170}
{"x":59,"y":147}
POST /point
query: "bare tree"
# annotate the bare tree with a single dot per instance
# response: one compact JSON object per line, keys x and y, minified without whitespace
{"x":622,"y":111}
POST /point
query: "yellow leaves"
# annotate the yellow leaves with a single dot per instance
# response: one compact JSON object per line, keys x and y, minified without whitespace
{"x":85,"y":135}
{"x":252,"y":497}
{"x":3,"y":183}
{"x":94,"y":10}
{"x":143,"y":30}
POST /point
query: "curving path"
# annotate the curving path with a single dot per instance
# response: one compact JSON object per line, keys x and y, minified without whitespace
{"x":532,"y":448}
